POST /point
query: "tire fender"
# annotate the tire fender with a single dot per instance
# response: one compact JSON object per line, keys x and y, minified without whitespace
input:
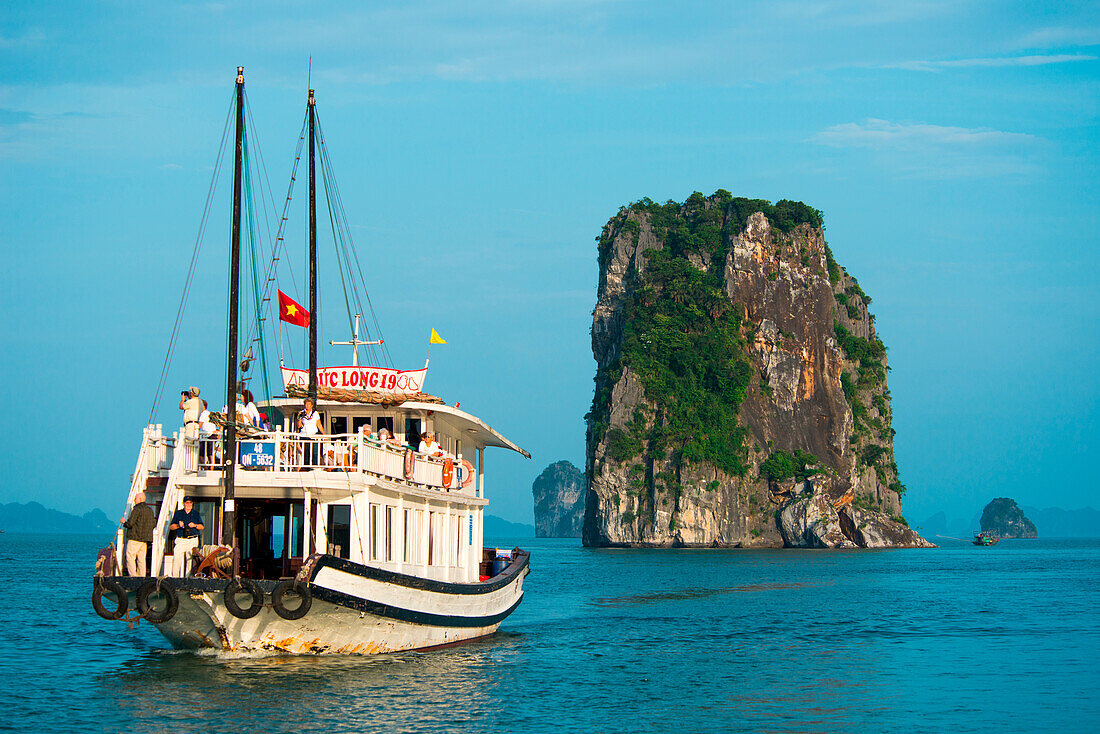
{"x":104,"y":585}
{"x":150,"y":614}
{"x":245,"y":586}
{"x":299,"y":588}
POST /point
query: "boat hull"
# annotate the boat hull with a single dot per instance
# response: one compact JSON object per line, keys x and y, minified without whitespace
{"x":355,"y":610}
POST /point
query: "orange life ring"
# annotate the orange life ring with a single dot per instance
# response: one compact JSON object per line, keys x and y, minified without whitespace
{"x":467,"y":474}
{"x":410,"y":463}
{"x":448,"y":472}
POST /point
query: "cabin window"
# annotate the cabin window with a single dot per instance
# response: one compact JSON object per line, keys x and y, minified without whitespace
{"x":338,"y":424}
{"x":412,"y":431}
{"x":431,"y":538}
{"x":389,"y":533}
{"x":208,"y":511}
{"x":297,"y":525}
{"x":358,"y":422}
{"x":373,"y":539}
{"x":339,"y":530}
{"x":458,"y":539}
{"x":407,"y":556}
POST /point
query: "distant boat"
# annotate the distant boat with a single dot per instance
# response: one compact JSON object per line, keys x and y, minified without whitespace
{"x":985,"y":537}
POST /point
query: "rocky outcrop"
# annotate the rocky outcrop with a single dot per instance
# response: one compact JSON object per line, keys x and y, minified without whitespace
{"x":728,"y":342}
{"x":559,"y":501}
{"x":1005,"y":519}
{"x":823,"y":513}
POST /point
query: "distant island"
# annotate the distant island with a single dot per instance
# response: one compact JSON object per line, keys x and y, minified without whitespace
{"x":32,"y":517}
{"x":741,"y":391}
{"x":559,"y":501}
{"x":1005,"y":519}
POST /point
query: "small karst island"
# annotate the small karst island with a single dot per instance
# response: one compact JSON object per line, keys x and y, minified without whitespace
{"x":741,"y":394}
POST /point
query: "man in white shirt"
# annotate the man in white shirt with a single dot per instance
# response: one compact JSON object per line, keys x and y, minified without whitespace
{"x":191,"y":407}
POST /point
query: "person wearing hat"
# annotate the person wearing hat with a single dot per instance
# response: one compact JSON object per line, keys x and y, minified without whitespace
{"x":187,"y":522}
{"x":192,"y":408}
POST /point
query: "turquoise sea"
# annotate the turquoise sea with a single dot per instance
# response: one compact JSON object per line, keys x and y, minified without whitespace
{"x":1001,"y":639}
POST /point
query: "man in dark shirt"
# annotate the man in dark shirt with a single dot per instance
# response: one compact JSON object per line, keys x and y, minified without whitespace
{"x":139,"y":534}
{"x":188,"y":526}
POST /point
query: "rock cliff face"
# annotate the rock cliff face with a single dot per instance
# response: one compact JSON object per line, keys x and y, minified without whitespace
{"x":559,"y":501}
{"x":741,"y":393}
{"x":1005,"y":519}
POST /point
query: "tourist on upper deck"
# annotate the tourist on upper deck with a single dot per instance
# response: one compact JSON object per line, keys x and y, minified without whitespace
{"x":309,"y":425}
{"x":139,"y":535}
{"x":429,"y":446}
{"x":187,"y":523}
{"x":250,"y":408}
{"x":385,"y":436}
{"x":191,"y":407}
{"x":208,"y":436}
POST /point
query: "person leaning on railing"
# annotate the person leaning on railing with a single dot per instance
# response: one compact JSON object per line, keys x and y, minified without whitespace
{"x":429,"y":446}
{"x":309,"y":425}
{"x":208,"y":434}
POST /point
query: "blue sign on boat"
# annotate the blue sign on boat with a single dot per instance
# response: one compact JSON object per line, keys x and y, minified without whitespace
{"x":258,"y":453}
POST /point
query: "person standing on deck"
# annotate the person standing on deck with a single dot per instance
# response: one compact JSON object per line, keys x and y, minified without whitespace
{"x":139,"y":534}
{"x":187,"y":523}
{"x":309,"y":424}
{"x":192,"y":407}
{"x":250,"y":408}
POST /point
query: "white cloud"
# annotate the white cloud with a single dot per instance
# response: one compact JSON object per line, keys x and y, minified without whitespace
{"x":923,"y":150}
{"x":1061,"y":36}
{"x":993,"y":62}
{"x":872,"y":133}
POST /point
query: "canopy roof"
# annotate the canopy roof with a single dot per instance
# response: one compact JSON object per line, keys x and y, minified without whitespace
{"x":456,"y":422}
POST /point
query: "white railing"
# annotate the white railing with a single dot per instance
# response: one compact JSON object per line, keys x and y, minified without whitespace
{"x":185,"y":460}
{"x":351,"y":452}
{"x":137,"y":484}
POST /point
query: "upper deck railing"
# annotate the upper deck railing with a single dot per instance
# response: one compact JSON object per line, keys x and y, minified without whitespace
{"x":351,"y":452}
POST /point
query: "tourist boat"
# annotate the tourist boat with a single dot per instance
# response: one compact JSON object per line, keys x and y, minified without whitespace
{"x":353,"y":543}
{"x":985,"y":537}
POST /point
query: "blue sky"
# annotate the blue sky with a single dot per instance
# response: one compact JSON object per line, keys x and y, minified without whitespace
{"x":481,"y":147}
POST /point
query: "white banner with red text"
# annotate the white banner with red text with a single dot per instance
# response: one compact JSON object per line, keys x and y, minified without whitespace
{"x":375,"y":379}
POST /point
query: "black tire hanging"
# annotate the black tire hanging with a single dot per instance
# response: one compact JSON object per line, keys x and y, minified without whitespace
{"x":102,"y":586}
{"x":299,"y":588}
{"x":243,"y":586}
{"x":146,"y":610}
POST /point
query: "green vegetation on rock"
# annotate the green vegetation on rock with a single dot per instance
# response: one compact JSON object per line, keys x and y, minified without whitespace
{"x":781,"y":466}
{"x":682,"y":335}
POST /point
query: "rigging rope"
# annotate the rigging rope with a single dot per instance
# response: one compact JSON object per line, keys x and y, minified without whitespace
{"x":194,"y":259}
{"x":253,"y":263}
{"x":347,"y":245}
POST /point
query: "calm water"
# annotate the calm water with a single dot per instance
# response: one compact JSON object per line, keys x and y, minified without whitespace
{"x":954,"y":639}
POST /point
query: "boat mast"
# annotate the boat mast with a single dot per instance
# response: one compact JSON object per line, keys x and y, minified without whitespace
{"x":312,"y":259}
{"x":229,"y":447}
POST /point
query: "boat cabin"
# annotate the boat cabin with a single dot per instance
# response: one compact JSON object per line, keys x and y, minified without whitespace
{"x":350,"y":492}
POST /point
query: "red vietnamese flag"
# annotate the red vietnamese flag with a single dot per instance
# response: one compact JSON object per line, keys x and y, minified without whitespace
{"x":291,"y":312}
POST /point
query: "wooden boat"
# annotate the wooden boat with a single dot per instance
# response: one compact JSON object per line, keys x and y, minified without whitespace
{"x":350,"y":542}
{"x":985,"y":537}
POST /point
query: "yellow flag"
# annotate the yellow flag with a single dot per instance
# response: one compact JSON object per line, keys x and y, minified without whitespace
{"x":436,"y":338}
